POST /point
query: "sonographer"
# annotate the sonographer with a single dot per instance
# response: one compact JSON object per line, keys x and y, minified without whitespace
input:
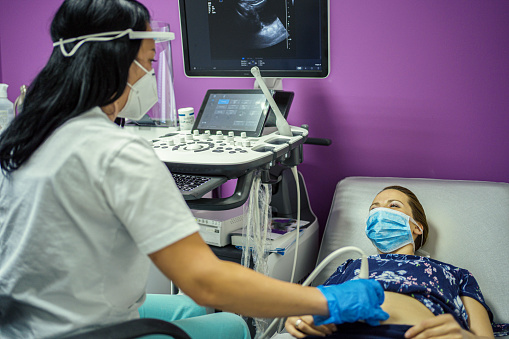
{"x":85,"y":206}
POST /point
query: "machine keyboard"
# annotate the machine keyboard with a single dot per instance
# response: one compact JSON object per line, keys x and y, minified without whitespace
{"x":195,"y":186}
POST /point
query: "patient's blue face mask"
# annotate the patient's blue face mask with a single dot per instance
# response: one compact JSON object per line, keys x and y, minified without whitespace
{"x":389,"y":230}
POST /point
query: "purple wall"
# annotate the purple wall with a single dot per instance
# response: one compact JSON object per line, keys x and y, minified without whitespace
{"x":417,"y":88}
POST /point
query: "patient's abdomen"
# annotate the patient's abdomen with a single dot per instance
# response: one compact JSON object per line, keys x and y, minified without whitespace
{"x":404,"y":310}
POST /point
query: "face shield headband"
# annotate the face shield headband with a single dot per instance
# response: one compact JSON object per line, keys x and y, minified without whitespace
{"x":108,"y":36}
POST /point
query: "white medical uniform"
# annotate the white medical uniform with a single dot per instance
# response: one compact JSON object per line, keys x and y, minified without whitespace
{"x":77,"y":222}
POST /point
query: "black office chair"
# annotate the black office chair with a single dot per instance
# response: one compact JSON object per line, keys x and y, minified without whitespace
{"x":134,"y":329}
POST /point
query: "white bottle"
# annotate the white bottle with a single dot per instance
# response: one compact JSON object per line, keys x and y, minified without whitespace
{"x":186,"y":118}
{"x":6,"y":108}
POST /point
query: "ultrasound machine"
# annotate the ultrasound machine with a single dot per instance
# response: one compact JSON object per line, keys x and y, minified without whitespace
{"x":242,"y":134}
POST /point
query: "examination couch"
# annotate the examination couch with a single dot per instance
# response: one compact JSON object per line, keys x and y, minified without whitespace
{"x":469,"y":228}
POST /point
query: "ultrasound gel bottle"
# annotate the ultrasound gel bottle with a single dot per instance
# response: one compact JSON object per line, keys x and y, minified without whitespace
{"x":6,"y":108}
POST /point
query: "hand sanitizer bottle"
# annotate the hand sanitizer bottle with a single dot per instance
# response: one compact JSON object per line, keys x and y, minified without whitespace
{"x":6,"y":108}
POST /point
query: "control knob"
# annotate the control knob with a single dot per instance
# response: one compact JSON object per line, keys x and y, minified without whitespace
{"x":193,"y":146}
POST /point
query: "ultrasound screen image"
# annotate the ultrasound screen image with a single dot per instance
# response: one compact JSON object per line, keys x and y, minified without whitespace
{"x":250,"y":27}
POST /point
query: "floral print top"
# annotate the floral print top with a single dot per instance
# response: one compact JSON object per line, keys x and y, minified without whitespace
{"x":437,"y":285}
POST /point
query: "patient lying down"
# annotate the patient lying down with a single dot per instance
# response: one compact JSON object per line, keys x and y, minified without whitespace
{"x":425,"y":298}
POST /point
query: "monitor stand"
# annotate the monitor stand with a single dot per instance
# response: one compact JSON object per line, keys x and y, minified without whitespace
{"x":272,"y":83}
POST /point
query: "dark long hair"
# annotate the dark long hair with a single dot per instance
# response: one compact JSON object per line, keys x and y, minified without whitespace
{"x":69,"y":86}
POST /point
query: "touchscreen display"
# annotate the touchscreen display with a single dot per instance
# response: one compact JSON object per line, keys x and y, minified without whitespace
{"x":233,"y":110}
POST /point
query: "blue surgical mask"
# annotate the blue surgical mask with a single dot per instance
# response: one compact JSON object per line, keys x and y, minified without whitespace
{"x":389,"y":230}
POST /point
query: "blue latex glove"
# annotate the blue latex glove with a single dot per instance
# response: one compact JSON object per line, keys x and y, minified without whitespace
{"x":352,"y":301}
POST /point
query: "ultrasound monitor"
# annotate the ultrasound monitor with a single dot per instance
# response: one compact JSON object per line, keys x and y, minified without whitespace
{"x":284,"y":38}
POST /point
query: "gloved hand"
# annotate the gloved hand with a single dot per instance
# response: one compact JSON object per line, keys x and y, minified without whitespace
{"x":352,"y":301}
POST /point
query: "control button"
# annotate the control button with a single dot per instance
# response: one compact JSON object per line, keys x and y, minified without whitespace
{"x":193,"y":147}
{"x":189,"y":137}
{"x":207,"y":132}
{"x":232,"y":152}
{"x":164,"y":147}
{"x":243,"y":135}
{"x":182,"y":139}
{"x":243,"y":151}
{"x":228,"y":148}
{"x":157,"y":146}
{"x":218,"y":151}
{"x":231,"y":133}
{"x":238,"y":149}
{"x":171,"y":142}
{"x":247,"y":143}
{"x":155,"y":140}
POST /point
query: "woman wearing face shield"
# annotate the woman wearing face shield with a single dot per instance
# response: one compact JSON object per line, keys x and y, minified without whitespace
{"x":425,"y":298}
{"x":85,"y":206}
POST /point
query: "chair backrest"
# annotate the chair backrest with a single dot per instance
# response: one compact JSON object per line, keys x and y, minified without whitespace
{"x":468,"y":220}
{"x":135,"y":328}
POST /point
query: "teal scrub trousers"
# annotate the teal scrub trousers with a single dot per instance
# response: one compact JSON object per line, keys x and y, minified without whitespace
{"x":183,"y":312}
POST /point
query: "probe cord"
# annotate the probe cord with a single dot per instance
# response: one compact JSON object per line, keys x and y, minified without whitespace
{"x":285,"y":130}
{"x":297,"y":236}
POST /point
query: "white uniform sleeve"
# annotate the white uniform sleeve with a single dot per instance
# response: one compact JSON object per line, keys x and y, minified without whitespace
{"x":143,"y":195}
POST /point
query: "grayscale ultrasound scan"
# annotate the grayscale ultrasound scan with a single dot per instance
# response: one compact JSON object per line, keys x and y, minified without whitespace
{"x":258,"y":20}
{"x":251,"y":27}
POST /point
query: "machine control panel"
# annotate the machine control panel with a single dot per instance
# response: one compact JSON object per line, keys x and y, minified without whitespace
{"x":224,"y":154}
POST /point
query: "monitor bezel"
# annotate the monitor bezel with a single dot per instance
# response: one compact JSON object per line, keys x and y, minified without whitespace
{"x":325,"y":54}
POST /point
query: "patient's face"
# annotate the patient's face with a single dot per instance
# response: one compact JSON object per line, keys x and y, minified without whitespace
{"x":392,"y":199}
{"x":397,"y":201}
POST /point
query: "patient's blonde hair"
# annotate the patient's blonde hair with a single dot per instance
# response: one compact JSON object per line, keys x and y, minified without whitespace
{"x":417,"y":211}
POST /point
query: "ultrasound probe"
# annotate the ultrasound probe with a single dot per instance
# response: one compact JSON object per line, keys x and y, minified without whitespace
{"x":281,"y":123}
